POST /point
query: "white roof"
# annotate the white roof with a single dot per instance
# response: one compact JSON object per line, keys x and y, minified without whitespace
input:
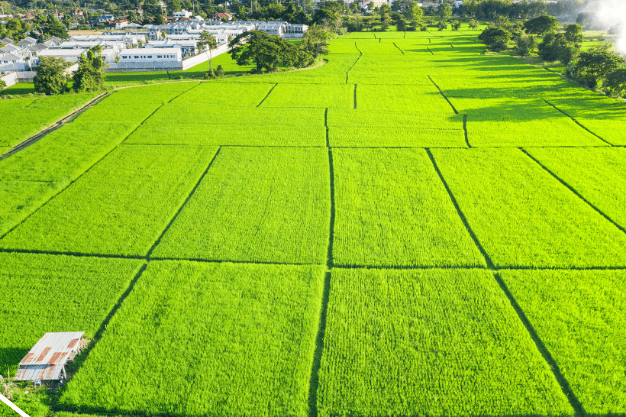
{"x":63,"y":52}
{"x":47,"y":358}
{"x":143,"y":51}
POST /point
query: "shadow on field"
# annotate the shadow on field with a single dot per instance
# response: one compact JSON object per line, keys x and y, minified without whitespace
{"x":10,"y":357}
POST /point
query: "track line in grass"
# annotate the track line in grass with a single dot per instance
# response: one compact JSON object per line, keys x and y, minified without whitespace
{"x":354,"y":97}
{"x":85,"y":353}
{"x":355,"y":62}
{"x":443,"y":95}
{"x":193,"y":190}
{"x":577,"y":122}
{"x":394,"y":44}
{"x":267,"y":95}
{"x":569,"y":187}
{"x":56,"y":125}
{"x":480,"y":247}
{"x":319,"y":348}
{"x":329,"y":261}
{"x":430,"y":51}
{"x":57,"y":193}
{"x":465,"y":130}
{"x":547,"y":356}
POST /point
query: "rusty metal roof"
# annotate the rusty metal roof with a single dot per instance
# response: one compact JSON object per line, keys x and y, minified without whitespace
{"x":48,"y":357}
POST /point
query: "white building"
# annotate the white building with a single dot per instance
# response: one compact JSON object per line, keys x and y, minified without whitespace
{"x":156,"y":55}
{"x":182,"y":13}
{"x":186,"y":47}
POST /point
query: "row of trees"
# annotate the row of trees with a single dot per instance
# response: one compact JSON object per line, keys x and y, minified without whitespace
{"x":52,"y":79}
{"x":596,"y":68}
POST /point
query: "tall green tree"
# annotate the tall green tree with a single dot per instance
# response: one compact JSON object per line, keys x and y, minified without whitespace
{"x":615,"y":82}
{"x":574,"y":33}
{"x":207,"y":40}
{"x":595,"y":65}
{"x":50,"y":76}
{"x":413,"y":12}
{"x":542,"y":24}
{"x":90,"y":73}
{"x":266,"y":52}
{"x":444,"y":11}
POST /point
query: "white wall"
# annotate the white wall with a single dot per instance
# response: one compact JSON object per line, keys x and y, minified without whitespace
{"x":204,"y":56}
{"x":10,"y":79}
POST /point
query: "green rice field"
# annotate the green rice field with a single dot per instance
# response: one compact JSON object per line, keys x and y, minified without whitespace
{"x":412,"y":229}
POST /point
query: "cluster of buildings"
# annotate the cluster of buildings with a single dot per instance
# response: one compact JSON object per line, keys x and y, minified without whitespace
{"x":150,"y":47}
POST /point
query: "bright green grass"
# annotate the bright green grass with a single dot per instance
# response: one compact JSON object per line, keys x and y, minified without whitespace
{"x":581,"y":318}
{"x":520,"y":122}
{"x":308,"y":95}
{"x":423,"y":98}
{"x":44,"y":293}
{"x":201,"y":124}
{"x":207,"y":339}
{"x":225,"y":94}
{"x":356,"y":128}
{"x":256,"y":205}
{"x":19,"y":198}
{"x":393,"y":210}
{"x":65,"y":153}
{"x":430,"y":343}
{"x":598,"y":174}
{"x":24,"y":117}
{"x":603,"y":116}
{"x":524,"y":217}
{"x":119,"y":207}
{"x":151,"y":95}
{"x":19,"y":88}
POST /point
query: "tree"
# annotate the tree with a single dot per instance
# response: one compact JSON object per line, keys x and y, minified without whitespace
{"x":574,"y":33}
{"x":50,"y":78}
{"x":401,"y":25}
{"x":90,"y":73}
{"x":553,"y":47}
{"x":495,"y":38}
{"x":444,"y":11}
{"x":473,"y":24}
{"x":615,"y":82}
{"x":595,"y":65}
{"x":542,"y":24}
{"x":414,"y":12}
{"x":3,"y":85}
{"x":328,"y":13}
{"x":456,"y":25}
{"x":159,"y":19}
{"x":265,"y":51}
{"x":207,"y":40}
{"x":56,"y":28}
{"x":315,"y":41}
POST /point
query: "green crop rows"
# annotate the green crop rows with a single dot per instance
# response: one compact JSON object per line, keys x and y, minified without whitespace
{"x":227,"y":340}
{"x":22,"y":118}
{"x":412,"y":228}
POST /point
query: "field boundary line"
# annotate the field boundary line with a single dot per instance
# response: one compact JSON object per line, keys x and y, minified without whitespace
{"x":267,"y":95}
{"x":229,"y":261}
{"x":54,"y":126}
{"x":82,"y":357}
{"x":443,"y":95}
{"x":545,"y":353}
{"x":408,"y":267}
{"x":469,"y":229}
{"x":355,"y":62}
{"x":430,"y":50}
{"x":465,"y":131}
{"x":184,"y":92}
{"x":319,"y":347}
{"x":74,"y":254}
{"x":576,"y":193}
{"x":394,"y":44}
{"x":42,"y":205}
{"x":355,"y":85}
{"x":331,"y":167}
{"x":182,"y":206}
{"x":577,"y":122}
